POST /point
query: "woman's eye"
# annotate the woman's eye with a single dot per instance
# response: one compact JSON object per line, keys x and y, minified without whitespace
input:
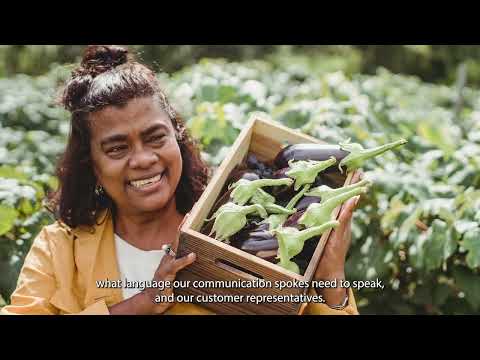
{"x":157,"y":138}
{"x":116,"y":150}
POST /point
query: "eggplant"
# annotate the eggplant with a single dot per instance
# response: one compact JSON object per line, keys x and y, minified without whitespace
{"x":305,"y":202}
{"x":333,"y":179}
{"x":246,"y":174}
{"x":235,"y":175}
{"x":291,"y":242}
{"x":349,"y":156}
{"x":319,"y":152}
{"x":254,"y":245}
{"x":282,"y":193}
{"x":232,"y":218}
{"x":254,"y":238}
{"x":292,"y":220}
{"x":330,"y":177}
{"x":265,"y":171}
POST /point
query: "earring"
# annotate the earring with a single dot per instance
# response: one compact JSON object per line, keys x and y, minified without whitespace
{"x":180,"y":133}
{"x":99,"y":190}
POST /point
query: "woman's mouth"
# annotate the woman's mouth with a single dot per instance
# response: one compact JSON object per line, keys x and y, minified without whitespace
{"x":148,"y":183}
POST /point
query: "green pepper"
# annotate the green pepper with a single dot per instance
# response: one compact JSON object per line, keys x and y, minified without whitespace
{"x":230,"y":218}
{"x":291,"y":242}
{"x":245,"y":189}
{"x":305,"y":172}
{"x":358,"y":154}
{"x":325,"y":192}
{"x":317,"y":214}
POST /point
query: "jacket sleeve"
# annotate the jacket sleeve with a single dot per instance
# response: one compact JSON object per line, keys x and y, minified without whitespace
{"x":37,"y":285}
{"x":324,"y":309}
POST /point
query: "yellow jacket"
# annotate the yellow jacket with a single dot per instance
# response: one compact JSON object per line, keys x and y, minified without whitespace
{"x":61,"y":269}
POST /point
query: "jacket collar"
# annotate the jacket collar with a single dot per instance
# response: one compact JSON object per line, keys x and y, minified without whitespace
{"x":96,"y":259}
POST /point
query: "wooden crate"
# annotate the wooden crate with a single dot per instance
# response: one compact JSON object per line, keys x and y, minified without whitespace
{"x":219,"y":261}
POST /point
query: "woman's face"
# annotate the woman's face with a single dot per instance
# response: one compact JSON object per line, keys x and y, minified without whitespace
{"x":135,"y":155}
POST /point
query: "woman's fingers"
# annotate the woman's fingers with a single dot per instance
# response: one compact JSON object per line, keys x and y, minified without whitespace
{"x":357,"y":176}
{"x":183,"y":262}
{"x":347,"y":209}
{"x":169,"y":266}
{"x":345,"y":216}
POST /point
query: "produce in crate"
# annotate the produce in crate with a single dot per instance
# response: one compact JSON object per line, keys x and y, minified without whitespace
{"x":305,"y":172}
{"x":243,"y":189}
{"x":287,"y":198}
{"x":268,"y":202}
{"x":319,"y":213}
{"x":276,"y":220}
{"x":325,"y":192}
{"x":255,"y":239}
{"x":317,"y":152}
{"x":349,"y":155}
{"x":291,"y":240}
{"x":230,"y":218}
{"x":358,"y":155}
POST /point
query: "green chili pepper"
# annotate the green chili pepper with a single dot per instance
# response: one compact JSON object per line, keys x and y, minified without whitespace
{"x":275,"y":220}
{"x":245,"y":189}
{"x":325,"y":192}
{"x":291,"y":242}
{"x":358,"y":154}
{"x":305,"y":172}
{"x":230,"y":218}
{"x":317,"y":214}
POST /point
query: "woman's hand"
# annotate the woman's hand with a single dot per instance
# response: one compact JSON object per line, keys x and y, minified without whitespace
{"x":144,"y":302}
{"x":165,"y":273}
{"x":332,"y":263}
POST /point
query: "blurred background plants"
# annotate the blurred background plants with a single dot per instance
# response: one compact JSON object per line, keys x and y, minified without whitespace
{"x":418,"y":229}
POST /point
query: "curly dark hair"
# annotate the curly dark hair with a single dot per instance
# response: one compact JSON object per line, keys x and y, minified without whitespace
{"x":109,"y":75}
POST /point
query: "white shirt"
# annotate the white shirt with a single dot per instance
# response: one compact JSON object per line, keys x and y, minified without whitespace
{"x":135,"y":265}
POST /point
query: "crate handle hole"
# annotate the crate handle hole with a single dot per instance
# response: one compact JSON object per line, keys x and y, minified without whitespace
{"x":237,"y":270}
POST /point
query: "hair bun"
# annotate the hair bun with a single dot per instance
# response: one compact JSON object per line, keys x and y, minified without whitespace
{"x":100,"y":58}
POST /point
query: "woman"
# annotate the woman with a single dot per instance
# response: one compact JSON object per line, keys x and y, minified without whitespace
{"x":129,"y":175}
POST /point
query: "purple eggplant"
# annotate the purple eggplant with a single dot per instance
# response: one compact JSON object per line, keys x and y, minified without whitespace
{"x":333,"y":179}
{"x":236,"y":175}
{"x":254,"y":238}
{"x":255,"y":245}
{"x":264,"y":170}
{"x":292,"y":220}
{"x":246,"y":174}
{"x":319,"y":152}
{"x":330,"y":177}
{"x":306,"y":201}
{"x":282,"y":193}
{"x":349,"y":156}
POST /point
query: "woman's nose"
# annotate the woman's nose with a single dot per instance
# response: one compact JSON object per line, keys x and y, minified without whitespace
{"x":143,"y":159}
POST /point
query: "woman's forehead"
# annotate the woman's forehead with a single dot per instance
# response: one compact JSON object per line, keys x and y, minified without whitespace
{"x":132,"y":118}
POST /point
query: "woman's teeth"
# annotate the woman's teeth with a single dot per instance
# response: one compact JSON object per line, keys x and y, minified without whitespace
{"x":145,"y":182}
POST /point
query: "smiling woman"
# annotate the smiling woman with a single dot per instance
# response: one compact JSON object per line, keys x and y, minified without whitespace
{"x":121,"y":124}
{"x":129,"y":175}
